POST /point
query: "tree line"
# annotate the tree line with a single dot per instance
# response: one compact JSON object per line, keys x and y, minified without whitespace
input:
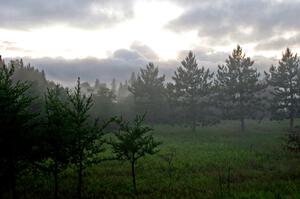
{"x":195,"y":96}
{"x":237,"y":91}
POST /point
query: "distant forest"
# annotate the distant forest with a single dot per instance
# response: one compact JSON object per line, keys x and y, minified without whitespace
{"x":52,"y":126}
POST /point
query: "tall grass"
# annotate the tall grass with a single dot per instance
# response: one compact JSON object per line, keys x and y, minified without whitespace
{"x":213,"y":162}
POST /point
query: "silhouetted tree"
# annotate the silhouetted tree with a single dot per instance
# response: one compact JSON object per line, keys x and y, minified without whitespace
{"x":285,"y":81}
{"x":133,"y":142}
{"x":239,"y":87}
{"x":174,"y":111}
{"x":148,"y":91}
{"x":16,"y":131}
{"x":191,"y":89}
{"x":88,"y":142}
{"x":37,"y":80}
{"x":58,"y":141}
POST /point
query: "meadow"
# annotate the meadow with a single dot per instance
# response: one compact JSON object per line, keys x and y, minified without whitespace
{"x":212,"y":162}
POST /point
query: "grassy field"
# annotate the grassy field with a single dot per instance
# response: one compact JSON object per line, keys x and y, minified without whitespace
{"x":213,"y":162}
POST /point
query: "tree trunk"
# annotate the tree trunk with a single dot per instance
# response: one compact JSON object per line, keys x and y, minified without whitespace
{"x":80,"y":169}
{"x":56,"y":180}
{"x":193,"y":116}
{"x":242,"y":112}
{"x":242,"y":124}
{"x":292,"y":110}
{"x":133,"y":177}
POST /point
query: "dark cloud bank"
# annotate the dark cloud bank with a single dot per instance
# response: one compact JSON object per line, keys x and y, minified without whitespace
{"x":119,"y":66}
{"x":122,"y":63}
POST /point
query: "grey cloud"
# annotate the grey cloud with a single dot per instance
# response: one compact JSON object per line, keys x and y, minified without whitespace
{"x":227,"y":19}
{"x":66,"y":71}
{"x":128,"y":55}
{"x":123,"y":62}
{"x":279,"y":43}
{"x":144,"y":50}
{"x":137,"y":51}
{"x":120,"y":64}
{"x":26,"y":14}
{"x":263,"y":63}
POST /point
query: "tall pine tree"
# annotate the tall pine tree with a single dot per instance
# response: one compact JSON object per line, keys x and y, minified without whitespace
{"x":88,"y":142}
{"x":239,"y":87}
{"x":58,"y":139}
{"x":16,"y":132}
{"x":191,"y":89}
{"x":285,"y":81}
{"x":148,"y":91}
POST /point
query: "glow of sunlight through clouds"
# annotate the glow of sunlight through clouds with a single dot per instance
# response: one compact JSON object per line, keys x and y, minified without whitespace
{"x":147,"y":26}
{"x":93,"y":38}
{"x":166,"y":27}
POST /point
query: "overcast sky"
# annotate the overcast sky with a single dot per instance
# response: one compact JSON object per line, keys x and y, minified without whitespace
{"x":111,"y":38}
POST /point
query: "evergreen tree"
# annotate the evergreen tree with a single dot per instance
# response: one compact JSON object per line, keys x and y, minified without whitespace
{"x":104,"y":103}
{"x":37,"y":80}
{"x":239,"y":87}
{"x":88,"y":142}
{"x":285,"y":81}
{"x":58,"y":142}
{"x":16,"y":130}
{"x":173,"y":109}
{"x":133,"y":142}
{"x":191,"y":89}
{"x":148,"y":91}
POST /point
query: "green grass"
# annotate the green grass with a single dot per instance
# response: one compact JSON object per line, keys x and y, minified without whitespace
{"x":213,"y":162}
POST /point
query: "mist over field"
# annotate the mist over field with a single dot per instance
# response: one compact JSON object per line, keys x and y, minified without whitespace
{"x":149,"y":99}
